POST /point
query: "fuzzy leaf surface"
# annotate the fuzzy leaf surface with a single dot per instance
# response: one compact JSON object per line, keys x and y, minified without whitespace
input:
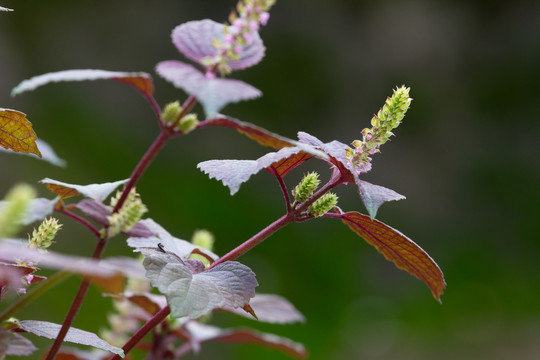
{"x":93,"y":191}
{"x":373,"y":196}
{"x":16,"y":132}
{"x":194,"y":40}
{"x":233,"y":173}
{"x":399,"y":249}
{"x":14,"y":344}
{"x":199,"y":333}
{"x":50,"y":331}
{"x":213,"y":94}
{"x":194,"y":295}
{"x":271,"y":309}
{"x":179,"y":247}
{"x":139,"y":80}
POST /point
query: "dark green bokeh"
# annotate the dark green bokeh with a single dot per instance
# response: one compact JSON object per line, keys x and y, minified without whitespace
{"x":466,"y":158}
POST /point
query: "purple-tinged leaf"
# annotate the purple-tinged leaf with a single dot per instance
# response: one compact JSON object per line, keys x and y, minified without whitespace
{"x":194,"y":40}
{"x":373,"y":196}
{"x":139,"y":80}
{"x":235,"y":172}
{"x":98,"y":212}
{"x":109,"y":270}
{"x":199,"y":333}
{"x":66,"y":353}
{"x":93,"y":191}
{"x":194,"y":295}
{"x":399,"y":249}
{"x":50,"y":331}
{"x":271,"y":309}
{"x":181,"y":248}
{"x":14,"y":344}
{"x":259,"y":134}
{"x":36,"y":210}
{"x":212,"y":93}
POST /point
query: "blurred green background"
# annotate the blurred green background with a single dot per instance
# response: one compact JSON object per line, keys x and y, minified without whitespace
{"x":466,"y":157}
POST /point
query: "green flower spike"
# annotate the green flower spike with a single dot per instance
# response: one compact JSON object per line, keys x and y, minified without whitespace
{"x":43,"y":237}
{"x":306,"y":187}
{"x":323,"y":205}
{"x":130,"y":213}
{"x":388,"y":118}
{"x":14,"y":209}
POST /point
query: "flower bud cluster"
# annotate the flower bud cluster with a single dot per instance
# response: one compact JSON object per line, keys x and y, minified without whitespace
{"x":244,"y":23}
{"x":129,"y":214}
{"x":323,"y":205}
{"x":310,"y":182}
{"x":14,"y":208}
{"x":388,"y":118}
{"x":170,"y":116}
{"x":43,"y":237}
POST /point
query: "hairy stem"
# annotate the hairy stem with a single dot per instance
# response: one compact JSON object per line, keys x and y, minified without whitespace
{"x":145,"y":329}
{"x":32,"y":295}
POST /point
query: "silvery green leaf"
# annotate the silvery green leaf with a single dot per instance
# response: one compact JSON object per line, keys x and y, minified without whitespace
{"x":228,"y":284}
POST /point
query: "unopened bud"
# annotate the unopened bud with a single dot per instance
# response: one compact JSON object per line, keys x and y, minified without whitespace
{"x":323,"y":205}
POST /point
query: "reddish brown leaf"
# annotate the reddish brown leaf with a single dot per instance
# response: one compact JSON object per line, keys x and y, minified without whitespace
{"x":141,"y":82}
{"x":63,"y":191}
{"x":16,"y":132}
{"x":399,"y":249}
{"x":262,"y":136}
{"x":282,"y":167}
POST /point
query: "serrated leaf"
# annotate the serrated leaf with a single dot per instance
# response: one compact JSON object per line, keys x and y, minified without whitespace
{"x":271,"y":309}
{"x":259,"y":134}
{"x":194,"y":295}
{"x":16,"y":132}
{"x":199,"y":333}
{"x":108,"y":270}
{"x":47,"y":153}
{"x":93,"y":191}
{"x":50,"y":331}
{"x":235,"y":172}
{"x":194,"y":40}
{"x":212,"y":93}
{"x":399,"y":249}
{"x":139,"y":80}
{"x":373,"y":196}
{"x":179,"y":247}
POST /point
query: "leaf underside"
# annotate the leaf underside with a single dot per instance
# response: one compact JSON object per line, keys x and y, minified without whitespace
{"x":93,"y":191}
{"x":74,"y":335}
{"x":399,"y":249}
{"x":139,"y":80}
{"x":212,"y":93}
